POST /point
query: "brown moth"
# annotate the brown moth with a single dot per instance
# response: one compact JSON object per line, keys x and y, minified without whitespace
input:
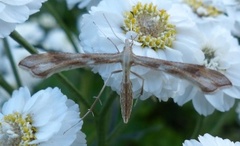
{"x":44,"y":65}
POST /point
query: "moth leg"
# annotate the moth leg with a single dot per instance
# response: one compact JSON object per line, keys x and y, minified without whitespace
{"x":97,"y":98}
{"x":90,"y":110}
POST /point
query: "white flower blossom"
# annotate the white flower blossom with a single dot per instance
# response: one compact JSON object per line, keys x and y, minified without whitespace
{"x":45,"y":119}
{"x":209,"y":140}
{"x":163,"y":30}
{"x":205,"y":8}
{"x":223,"y":12}
{"x":13,"y":12}
{"x":222,"y":53}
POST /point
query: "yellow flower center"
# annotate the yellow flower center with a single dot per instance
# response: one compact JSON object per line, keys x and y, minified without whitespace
{"x":17,"y":130}
{"x":202,"y":9}
{"x":151,"y":25}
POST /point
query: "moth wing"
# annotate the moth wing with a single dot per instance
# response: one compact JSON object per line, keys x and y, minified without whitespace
{"x":206,"y":79}
{"x":46,"y":64}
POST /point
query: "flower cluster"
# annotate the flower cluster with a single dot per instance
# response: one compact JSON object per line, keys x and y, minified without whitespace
{"x":188,"y":31}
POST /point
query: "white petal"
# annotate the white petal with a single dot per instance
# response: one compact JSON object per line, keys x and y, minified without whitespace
{"x":16,"y":2}
{"x":233,"y":74}
{"x":220,"y":101}
{"x":232,"y":92}
{"x":201,"y":105}
{"x":39,"y":105}
{"x":2,"y":6}
{"x":173,"y":55}
{"x":46,"y":132}
{"x":192,"y":142}
{"x":34,"y":6}
{"x":72,"y":3}
{"x":72,"y":125}
{"x":189,"y":93}
{"x":14,"y":14}
{"x":17,"y":102}
{"x":207,"y":139}
{"x":80,"y":140}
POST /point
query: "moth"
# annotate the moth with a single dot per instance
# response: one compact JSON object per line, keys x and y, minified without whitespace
{"x":46,"y":64}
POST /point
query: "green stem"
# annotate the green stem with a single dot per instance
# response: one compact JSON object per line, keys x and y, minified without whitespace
{"x":66,"y":82}
{"x":101,"y":122}
{"x":4,"y":84}
{"x":63,"y":25}
{"x":12,"y":62}
{"x":18,"y":38}
{"x":198,"y":127}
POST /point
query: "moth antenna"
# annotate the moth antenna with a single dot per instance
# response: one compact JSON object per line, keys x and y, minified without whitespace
{"x":132,"y":36}
{"x":106,"y":36}
{"x":110,"y":26}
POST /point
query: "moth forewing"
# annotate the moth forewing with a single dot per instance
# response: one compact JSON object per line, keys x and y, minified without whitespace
{"x":206,"y":79}
{"x":46,"y":64}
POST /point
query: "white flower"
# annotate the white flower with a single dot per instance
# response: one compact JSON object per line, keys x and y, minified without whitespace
{"x":82,"y":3}
{"x":13,"y":12}
{"x":206,"y":8}
{"x":222,"y":53}
{"x":219,"y":11}
{"x":45,"y":118}
{"x":209,"y":140}
{"x":164,"y":31}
